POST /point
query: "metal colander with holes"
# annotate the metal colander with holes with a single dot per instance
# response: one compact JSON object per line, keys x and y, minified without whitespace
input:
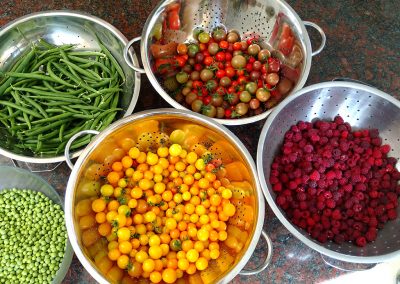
{"x":149,"y":130}
{"x":361,"y":106}
{"x":249,"y":18}
{"x":65,"y":27}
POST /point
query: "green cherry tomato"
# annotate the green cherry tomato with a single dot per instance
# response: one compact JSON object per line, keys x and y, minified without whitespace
{"x":204,"y":37}
{"x":182,"y":77}
{"x":219,"y":34}
{"x":242,"y":108}
{"x":238,"y":61}
{"x":209,"y":110}
{"x":213,"y":48}
{"x":206,"y":75}
{"x":196,"y":105}
{"x":262,"y":95}
{"x":251,"y":87}
{"x":245,"y":96}
{"x":192,"y":50}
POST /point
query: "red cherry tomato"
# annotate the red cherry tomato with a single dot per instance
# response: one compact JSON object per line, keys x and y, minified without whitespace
{"x":249,"y":67}
{"x":228,"y":58}
{"x":206,"y":100}
{"x":251,"y":60}
{"x":242,"y":80}
{"x":274,"y":65}
{"x":204,"y":91}
{"x":240,"y":72}
{"x":198,"y":67}
{"x":230,"y":72}
{"x":223,"y":44}
{"x":202,"y":46}
{"x":197,"y":84}
{"x":220,"y":91}
{"x":206,"y":53}
{"x":237,"y":46}
{"x":208,"y":60}
{"x":228,"y":113}
{"x":220,"y":73}
{"x":220,"y":56}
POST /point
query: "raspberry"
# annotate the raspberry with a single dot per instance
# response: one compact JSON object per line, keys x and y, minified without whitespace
{"x":315,"y":176}
{"x":361,"y":241}
{"x":385,"y":149}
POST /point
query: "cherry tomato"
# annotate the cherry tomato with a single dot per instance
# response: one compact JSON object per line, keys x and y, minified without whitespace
{"x":206,"y":100}
{"x":262,"y":95}
{"x":181,"y":48}
{"x":245,"y":96}
{"x":228,"y":113}
{"x":203,"y":37}
{"x":219,"y":34}
{"x":213,"y":48}
{"x":220,"y":56}
{"x":223,"y":44}
{"x":220,"y":73}
{"x":272,"y":79}
{"x":211,"y":85}
{"x":228,"y":58}
{"x":206,"y":75}
{"x":232,"y":37}
{"x":230,"y":72}
{"x":208,"y":60}
{"x":209,"y":110}
{"x":274,"y":65}
{"x":254,"y":103}
{"x":237,"y":46}
{"x":225,"y":81}
{"x":216,"y":100}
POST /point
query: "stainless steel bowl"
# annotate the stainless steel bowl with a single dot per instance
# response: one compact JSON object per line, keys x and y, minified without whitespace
{"x":264,"y":18}
{"x":12,"y":177}
{"x":361,"y":106}
{"x":66,"y":27}
{"x":156,"y":124}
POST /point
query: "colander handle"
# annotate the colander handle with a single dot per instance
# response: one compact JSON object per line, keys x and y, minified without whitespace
{"x":267,"y":260}
{"x":321,"y":32}
{"x":126,"y":57}
{"x":71,"y":140}
{"x":371,"y":265}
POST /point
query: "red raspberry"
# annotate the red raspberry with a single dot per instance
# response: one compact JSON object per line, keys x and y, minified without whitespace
{"x":315,"y":176}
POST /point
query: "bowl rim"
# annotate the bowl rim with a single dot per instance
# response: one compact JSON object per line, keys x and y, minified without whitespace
{"x":89,"y":17}
{"x":267,"y":192}
{"x":151,"y":20}
{"x":220,"y":129}
{"x":68,"y":254}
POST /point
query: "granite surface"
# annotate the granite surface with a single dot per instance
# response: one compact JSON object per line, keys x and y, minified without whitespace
{"x":362,"y":43}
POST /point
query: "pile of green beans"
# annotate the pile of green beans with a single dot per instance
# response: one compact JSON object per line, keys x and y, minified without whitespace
{"x":33,"y":237}
{"x":53,"y":92}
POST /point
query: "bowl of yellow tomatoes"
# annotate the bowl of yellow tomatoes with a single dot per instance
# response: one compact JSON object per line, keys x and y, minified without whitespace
{"x":165,"y":195}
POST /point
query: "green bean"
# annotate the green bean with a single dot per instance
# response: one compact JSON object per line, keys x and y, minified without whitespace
{"x":76,"y":80}
{"x":73,"y":111}
{"x":43,"y":128}
{"x":58,"y":98}
{"x":52,"y":118}
{"x":23,"y":82}
{"x":54,"y":90}
{"x":61,"y":132}
{"x":35,"y":105}
{"x":21,"y":67}
{"x":80,"y":70}
{"x":12,"y":120}
{"x":42,"y":92}
{"x":87,"y":53}
{"x":43,"y":61}
{"x":18,"y":101}
{"x":23,"y":109}
{"x":87,"y":61}
{"x":102,"y":91}
{"x":55,"y":77}
{"x":34,"y":76}
{"x":114,"y":62}
{"x":39,"y":143}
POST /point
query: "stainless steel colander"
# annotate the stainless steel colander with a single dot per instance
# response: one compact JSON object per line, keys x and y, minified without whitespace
{"x":361,"y":106}
{"x":249,"y":18}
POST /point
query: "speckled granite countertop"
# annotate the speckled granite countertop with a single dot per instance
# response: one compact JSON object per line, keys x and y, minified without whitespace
{"x":362,"y":43}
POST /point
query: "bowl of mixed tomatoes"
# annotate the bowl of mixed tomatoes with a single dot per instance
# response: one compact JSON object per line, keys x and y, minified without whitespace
{"x":165,"y":195}
{"x":235,"y":75}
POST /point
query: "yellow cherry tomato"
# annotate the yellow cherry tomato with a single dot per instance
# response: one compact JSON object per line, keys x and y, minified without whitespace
{"x":169,"y":275}
{"x":192,"y":255}
{"x":148,"y":265}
